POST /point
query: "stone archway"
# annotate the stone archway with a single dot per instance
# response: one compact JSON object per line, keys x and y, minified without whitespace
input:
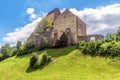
{"x":55,"y":37}
{"x":69,"y":35}
{"x":92,"y":38}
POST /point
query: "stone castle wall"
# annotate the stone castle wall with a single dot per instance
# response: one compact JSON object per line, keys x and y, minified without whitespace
{"x":69,"y":23}
{"x":66,"y":23}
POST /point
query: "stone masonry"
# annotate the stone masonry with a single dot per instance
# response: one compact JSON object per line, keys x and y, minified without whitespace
{"x":69,"y":23}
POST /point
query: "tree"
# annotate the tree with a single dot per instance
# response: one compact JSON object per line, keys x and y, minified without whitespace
{"x":63,"y":41}
{"x":29,"y":46}
{"x":47,"y":23}
{"x":57,"y":44}
{"x":45,"y":60}
{"x":44,"y":42}
{"x":118,"y":35}
{"x":19,"y":44}
{"x":43,"y":25}
{"x":6,"y":50}
{"x":18,"y":49}
{"x":38,"y":39}
{"x":33,"y":60}
{"x":110,"y":37}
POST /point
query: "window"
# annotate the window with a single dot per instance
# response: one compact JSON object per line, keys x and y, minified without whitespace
{"x":55,"y":36}
{"x":64,"y":16}
{"x":82,"y":31}
{"x":79,"y":29}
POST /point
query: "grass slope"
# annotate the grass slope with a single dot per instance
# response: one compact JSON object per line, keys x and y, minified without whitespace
{"x":67,"y":64}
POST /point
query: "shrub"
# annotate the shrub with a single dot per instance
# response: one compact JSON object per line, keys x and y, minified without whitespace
{"x":84,"y":49}
{"x":110,"y":37}
{"x":100,"y":48}
{"x":118,"y":35}
{"x":6,"y":50}
{"x":34,"y":63}
{"x":33,"y":60}
{"x":80,"y":44}
{"x":115,"y":50}
{"x":14,"y":52}
{"x":111,"y":49}
{"x":0,"y":55}
{"x":57,"y":44}
{"x":63,"y":41}
{"x":48,"y":59}
{"x":45,"y":60}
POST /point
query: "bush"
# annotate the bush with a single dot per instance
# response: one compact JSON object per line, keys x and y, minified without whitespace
{"x":45,"y":60}
{"x":58,"y":43}
{"x":118,"y":35}
{"x":0,"y":55}
{"x":80,"y":44}
{"x":100,"y":48}
{"x":63,"y":41}
{"x":33,"y":60}
{"x":6,"y":50}
{"x":110,"y":47}
{"x":14,"y":52}
{"x":93,"y":48}
{"x":34,"y":63}
{"x":48,"y":59}
{"x":3,"y":57}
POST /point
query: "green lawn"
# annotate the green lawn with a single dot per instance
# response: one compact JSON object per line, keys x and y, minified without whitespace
{"x":67,"y":64}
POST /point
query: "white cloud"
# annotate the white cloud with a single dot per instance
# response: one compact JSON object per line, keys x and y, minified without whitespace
{"x":30,"y":10}
{"x":63,"y":10}
{"x":100,"y":20}
{"x":0,"y":46}
{"x":33,"y":16}
{"x":21,"y":33}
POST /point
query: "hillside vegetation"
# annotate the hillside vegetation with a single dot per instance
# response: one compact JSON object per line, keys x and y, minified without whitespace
{"x":67,"y":64}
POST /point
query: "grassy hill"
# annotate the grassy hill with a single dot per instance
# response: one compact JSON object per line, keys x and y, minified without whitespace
{"x":67,"y":64}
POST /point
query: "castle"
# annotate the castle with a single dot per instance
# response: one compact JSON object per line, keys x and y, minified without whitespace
{"x":69,"y":23}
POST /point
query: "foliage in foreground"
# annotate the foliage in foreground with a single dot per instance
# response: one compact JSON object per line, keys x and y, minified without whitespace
{"x":97,"y":48}
{"x":6,"y":52}
{"x":110,"y":47}
{"x":35,"y":63}
{"x":68,"y":64}
{"x":33,"y":60}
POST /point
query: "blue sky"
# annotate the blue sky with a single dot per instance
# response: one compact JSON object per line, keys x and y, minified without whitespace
{"x":13,"y":14}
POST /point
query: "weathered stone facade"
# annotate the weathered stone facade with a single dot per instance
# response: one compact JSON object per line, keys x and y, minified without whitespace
{"x":69,"y":23}
{"x":66,"y":22}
